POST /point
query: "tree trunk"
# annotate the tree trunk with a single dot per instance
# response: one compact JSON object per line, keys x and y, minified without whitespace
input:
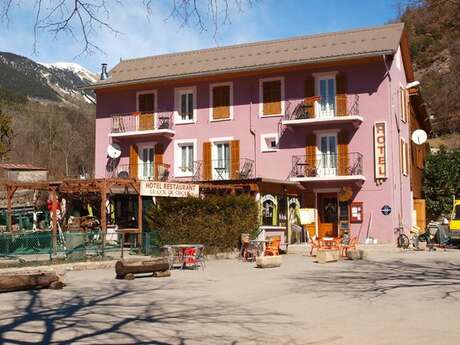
{"x":26,"y":281}
{"x":122,"y":268}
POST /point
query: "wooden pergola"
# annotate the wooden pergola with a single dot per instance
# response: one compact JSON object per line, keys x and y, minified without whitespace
{"x":99,"y":186}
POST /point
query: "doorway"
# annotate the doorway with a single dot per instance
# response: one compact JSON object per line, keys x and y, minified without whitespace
{"x":327,"y":215}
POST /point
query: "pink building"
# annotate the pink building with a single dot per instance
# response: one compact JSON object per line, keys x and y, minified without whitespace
{"x":328,"y":114}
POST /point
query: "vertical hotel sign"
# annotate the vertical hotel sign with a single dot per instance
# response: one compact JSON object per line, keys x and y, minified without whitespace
{"x":380,"y":150}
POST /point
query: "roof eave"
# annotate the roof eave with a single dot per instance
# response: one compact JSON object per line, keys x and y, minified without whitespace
{"x":241,"y":69}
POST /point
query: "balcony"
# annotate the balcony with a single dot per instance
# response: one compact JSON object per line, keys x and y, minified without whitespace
{"x":141,"y":171}
{"x":328,"y":167}
{"x":141,"y":124}
{"x":313,"y":111}
{"x":221,"y":170}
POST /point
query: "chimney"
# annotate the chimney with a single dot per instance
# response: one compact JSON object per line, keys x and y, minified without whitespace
{"x":104,"y":74}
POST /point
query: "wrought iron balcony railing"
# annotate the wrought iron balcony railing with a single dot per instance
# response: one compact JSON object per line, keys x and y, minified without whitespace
{"x":140,"y":121}
{"x":313,"y":108}
{"x":142,"y":171}
{"x":323,"y":165}
{"x":215,"y":170}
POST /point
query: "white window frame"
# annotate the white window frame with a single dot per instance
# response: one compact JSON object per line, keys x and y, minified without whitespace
{"x":263,"y":142}
{"x":261,"y":96}
{"x":178,"y":158}
{"x":322,"y":76}
{"x":145,"y":92}
{"x":319,"y":135}
{"x":178,"y":92}
{"x":214,"y":142}
{"x":211,"y":101}
{"x":402,"y":103}
{"x":140,"y":162}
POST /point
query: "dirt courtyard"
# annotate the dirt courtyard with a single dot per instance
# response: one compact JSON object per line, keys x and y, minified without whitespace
{"x":398,"y":298}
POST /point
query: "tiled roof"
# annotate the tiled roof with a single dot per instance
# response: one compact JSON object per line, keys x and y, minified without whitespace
{"x":267,"y":54}
{"x":16,"y":166}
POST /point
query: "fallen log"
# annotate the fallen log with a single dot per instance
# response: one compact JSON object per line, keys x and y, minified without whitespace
{"x":26,"y":281}
{"x":124,"y":268}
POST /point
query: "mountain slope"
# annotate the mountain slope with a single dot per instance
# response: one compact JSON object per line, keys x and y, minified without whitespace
{"x":52,"y":82}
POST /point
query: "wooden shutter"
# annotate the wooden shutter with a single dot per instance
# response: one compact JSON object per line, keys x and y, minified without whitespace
{"x":310,"y":151}
{"x":420,"y":213}
{"x":343,"y":161}
{"x":207,"y":162}
{"x":146,"y":122}
{"x":310,"y":96}
{"x":147,"y":102}
{"x":341,"y":95}
{"x":235,"y":159}
{"x":309,"y":202}
{"x":271,"y":94}
{"x":133,"y":161}
{"x":158,"y":160}
{"x":221,"y":102}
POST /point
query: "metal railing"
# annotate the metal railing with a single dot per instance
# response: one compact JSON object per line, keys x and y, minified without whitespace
{"x":216,"y":170}
{"x":323,"y":165}
{"x":310,"y":108}
{"x":147,"y":171}
{"x":140,"y":121}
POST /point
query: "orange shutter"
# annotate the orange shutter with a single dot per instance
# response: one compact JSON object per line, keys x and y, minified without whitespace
{"x":133,"y":161}
{"x":343,"y":154}
{"x":146,"y":121}
{"x":310,"y":96}
{"x":235,"y":159}
{"x":158,"y":160}
{"x":310,"y":151}
{"x":309,"y":202}
{"x":341,"y":96}
{"x":221,"y":102}
{"x":207,"y":163}
{"x":271,"y":93}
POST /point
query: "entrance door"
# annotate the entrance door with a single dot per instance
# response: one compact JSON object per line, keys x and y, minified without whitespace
{"x":327,"y":159}
{"x":327,"y":215}
{"x":146,"y":162}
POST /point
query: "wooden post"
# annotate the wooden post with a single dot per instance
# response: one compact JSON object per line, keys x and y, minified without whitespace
{"x":54,"y":219}
{"x":139,"y":220}
{"x":9,"y":207}
{"x":103,"y":190}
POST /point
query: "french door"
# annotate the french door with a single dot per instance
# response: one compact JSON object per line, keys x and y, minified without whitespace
{"x":146,"y":162}
{"x":221,"y":161}
{"x":327,"y":156}
{"x":326,"y":90}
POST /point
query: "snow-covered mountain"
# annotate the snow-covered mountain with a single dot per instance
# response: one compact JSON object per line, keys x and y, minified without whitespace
{"x":58,"y":82}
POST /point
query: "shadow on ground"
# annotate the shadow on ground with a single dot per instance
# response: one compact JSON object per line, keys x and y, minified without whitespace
{"x":373,"y":279}
{"x":124,"y":314}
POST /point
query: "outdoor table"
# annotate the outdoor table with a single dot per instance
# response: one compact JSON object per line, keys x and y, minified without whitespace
{"x":220,"y":173}
{"x":329,"y":242}
{"x":129,"y":231}
{"x":176,"y":252}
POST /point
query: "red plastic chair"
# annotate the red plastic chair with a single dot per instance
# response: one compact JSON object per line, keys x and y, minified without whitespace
{"x":190,"y":257}
{"x":346,"y":247}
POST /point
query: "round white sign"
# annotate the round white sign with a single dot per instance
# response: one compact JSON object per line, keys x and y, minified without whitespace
{"x":419,"y":136}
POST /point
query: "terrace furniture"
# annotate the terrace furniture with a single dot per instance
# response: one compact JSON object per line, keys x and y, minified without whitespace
{"x":246,"y":170}
{"x":273,"y":247}
{"x":346,"y":247}
{"x":185,"y":255}
{"x":163,"y":122}
{"x":329,"y":243}
{"x":220,"y":172}
{"x":314,"y":245}
{"x":305,"y":170}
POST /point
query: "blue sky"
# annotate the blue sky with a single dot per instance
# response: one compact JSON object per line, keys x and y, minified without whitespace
{"x":142,"y":35}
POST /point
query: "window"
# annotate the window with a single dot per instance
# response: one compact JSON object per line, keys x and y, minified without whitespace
{"x":404,"y":103}
{"x":326,"y":89}
{"x":185,"y":155}
{"x":146,"y":101}
{"x":146,"y":161}
{"x":185,"y":105}
{"x":326,"y":160}
{"x":404,"y":153}
{"x":221,"y":101}
{"x":221,"y":159}
{"x":269,"y":142}
{"x":271,"y":94}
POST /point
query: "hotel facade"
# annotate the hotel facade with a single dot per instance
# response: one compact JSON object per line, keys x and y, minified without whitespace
{"x":320,"y":122}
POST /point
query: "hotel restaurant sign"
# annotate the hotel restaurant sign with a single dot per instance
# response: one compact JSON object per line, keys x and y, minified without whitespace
{"x":380,"y":150}
{"x":169,"y":189}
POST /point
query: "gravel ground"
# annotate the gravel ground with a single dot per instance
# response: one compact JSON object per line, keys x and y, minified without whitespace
{"x":392,"y":298}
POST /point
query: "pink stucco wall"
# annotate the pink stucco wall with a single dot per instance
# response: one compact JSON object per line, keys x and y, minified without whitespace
{"x":377,"y":102}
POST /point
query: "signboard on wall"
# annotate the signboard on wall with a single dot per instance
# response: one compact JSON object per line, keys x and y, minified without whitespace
{"x":380,"y":150}
{"x":307,"y":216}
{"x":169,"y":189}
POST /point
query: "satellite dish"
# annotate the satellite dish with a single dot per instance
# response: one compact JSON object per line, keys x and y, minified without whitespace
{"x":419,"y":136}
{"x":114,"y":151}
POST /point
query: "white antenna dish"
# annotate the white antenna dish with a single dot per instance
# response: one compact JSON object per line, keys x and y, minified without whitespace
{"x":114,"y":151}
{"x":419,"y":136}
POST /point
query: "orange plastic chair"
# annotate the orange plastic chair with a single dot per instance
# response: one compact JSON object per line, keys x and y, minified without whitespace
{"x":273,"y":248}
{"x":315,"y":244}
{"x":346,"y":247}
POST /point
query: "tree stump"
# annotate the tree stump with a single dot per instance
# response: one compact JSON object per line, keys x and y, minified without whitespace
{"x":123,"y":268}
{"x":30,"y":280}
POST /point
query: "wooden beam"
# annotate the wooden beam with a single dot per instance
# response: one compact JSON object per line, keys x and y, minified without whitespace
{"x":103,"y":191}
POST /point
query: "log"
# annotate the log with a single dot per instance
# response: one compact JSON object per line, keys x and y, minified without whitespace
{"x":26,"y":281}
{"x":122,"y":268}
{"x":162,"y":274}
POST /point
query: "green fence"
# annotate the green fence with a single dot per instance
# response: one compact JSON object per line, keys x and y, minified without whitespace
{"x":76,"y":245}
